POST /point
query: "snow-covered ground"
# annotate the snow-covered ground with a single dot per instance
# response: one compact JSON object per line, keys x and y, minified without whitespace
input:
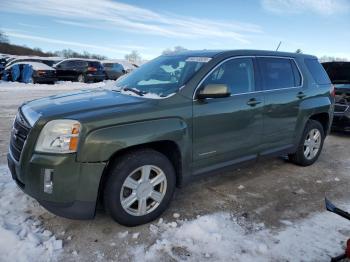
{"x":61,"y":85}
{"x":218,"y":236}
{"x":68,"y":85}
{"x":221,"y":237}
{"x":22,"y":236}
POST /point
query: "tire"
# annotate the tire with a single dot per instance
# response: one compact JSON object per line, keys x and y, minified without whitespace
{"x":130,"y":167}
{"x":302,"y":156}
{"x":81,"y":78}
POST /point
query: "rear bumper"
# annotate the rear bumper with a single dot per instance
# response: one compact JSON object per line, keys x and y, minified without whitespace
{"x":91,"y":77}
{"x":75,"y":185}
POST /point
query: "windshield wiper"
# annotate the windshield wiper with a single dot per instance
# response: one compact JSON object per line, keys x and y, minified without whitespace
{"x":134,"y":90}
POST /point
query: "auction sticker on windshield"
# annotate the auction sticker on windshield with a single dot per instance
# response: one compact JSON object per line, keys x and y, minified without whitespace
{"x":198,"y":59}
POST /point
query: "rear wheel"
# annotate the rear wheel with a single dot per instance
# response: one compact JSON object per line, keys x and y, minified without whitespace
{"x":139,"y":187}
{"x":310,"y":145}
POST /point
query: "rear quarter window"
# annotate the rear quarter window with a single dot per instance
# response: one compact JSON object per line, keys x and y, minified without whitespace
{"x":317,"y":71}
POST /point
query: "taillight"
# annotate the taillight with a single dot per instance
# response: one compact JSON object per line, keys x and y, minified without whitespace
{"x":92,"y":69}
{"x":332,"y":91}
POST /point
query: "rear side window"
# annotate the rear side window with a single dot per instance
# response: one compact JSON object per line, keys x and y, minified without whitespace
{"x":95,"y":64}
{"x":317,"y":71}
{"x":279,"y":73}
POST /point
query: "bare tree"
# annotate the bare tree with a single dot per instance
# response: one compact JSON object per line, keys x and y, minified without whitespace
{"x":3,"y":38}
{"x":176,"y":49}
{"x":326,"y":58}
{"x":133,"y":57}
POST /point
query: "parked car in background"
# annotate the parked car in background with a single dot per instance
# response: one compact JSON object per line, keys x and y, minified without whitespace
{"x":339,"y":73}
{"x":116,"y":68}
{"x":30,"y":72}
{"x":81,"y":70}
{"x":4,"y":60}
{"x":177,"y":117}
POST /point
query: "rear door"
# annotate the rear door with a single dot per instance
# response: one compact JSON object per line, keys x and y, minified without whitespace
{"x":228,"y":130}
{"x":64,"y":70}
{"x":283,"y":93}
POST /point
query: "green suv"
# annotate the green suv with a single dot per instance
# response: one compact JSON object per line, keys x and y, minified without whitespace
{"x":174,"y":118}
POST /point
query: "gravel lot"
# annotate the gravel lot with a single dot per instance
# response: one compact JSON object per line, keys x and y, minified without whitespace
{"x":272,"y":193}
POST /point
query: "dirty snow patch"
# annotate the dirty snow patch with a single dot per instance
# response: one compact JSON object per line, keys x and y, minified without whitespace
{"x":222,"y":237}
{"x":22,"y":236}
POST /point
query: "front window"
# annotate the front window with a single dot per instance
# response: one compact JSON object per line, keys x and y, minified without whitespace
{"x":162,"y":76}
{"x":237,"y":74}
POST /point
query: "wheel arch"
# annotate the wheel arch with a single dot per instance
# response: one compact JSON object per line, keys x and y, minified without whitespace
{"x":166,"y":147}
{"x":323,"y":119}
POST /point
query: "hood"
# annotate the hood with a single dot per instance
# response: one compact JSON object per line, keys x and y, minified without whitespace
{"x":80,"y":102}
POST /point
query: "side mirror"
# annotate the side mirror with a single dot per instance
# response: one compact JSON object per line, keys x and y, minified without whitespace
{"x":214,"y":91}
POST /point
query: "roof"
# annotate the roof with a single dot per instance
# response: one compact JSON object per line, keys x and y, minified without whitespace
{"x":81,"y":59}
{"x":35,"y":65}
{"x":213,"y":53}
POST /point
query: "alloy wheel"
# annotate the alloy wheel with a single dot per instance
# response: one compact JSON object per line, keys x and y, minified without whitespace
{"x":143,"y":190}
{"x":312,"y":144}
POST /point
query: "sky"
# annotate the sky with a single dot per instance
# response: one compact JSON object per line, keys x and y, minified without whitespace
{"x":115,"y":28}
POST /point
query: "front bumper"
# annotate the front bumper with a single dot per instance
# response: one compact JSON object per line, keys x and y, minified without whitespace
{"x":45,"y":79}
{"x":75,"y":185}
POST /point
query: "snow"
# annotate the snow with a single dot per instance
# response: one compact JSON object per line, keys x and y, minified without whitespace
{"x":22,"y":235}
{"x":35,"y":65}
{"x":222,"y":237}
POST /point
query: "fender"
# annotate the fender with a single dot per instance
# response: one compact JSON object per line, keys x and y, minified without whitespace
{"x":99,"y":145}
{"x":308,"y":108}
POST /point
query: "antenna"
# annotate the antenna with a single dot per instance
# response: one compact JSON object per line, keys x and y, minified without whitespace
{"x":279,"y":45}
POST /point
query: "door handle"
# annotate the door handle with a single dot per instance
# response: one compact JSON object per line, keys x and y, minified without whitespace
{"x":253,"y":102}
{"x":301,"y":95}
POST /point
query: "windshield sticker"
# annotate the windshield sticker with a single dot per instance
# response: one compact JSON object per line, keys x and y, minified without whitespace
{"x":198,"y":59}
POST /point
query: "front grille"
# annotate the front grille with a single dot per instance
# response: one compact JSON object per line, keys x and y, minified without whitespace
{"x":19,"y":135}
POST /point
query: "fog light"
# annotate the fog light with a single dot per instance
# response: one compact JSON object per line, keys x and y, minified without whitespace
{"x":48,"y":177}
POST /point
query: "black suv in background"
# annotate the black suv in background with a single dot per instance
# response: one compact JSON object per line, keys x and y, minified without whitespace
{"x":81,"y":70}
{"x":339,"y":73}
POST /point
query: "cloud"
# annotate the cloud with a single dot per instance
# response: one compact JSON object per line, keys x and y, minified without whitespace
{"x":31,"y":26}
{"x":119,"y":16}
{"x":321,"y":7}
{"x":120,"y":49}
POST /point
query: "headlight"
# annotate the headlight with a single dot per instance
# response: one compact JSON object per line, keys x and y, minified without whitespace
{"x":59,"y":136}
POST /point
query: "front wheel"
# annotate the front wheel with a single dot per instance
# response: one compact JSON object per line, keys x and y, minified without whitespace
{"x":310,"y":145}
{"x":139,"y":187}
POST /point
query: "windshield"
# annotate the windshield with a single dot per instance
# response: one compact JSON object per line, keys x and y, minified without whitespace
{"x":162,"y":76}
{"x":339,"y":72}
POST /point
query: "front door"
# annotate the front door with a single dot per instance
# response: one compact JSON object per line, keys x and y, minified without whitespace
{"x":227,"y":130}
